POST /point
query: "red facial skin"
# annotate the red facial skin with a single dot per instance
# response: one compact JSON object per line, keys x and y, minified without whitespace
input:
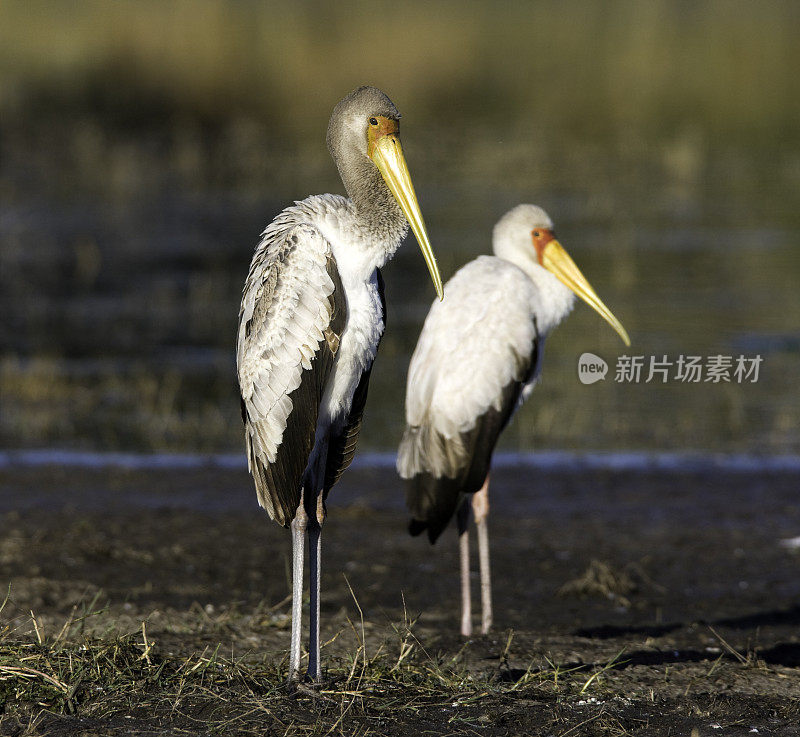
{"x":541,"y":237}
{"x":385,"y":127}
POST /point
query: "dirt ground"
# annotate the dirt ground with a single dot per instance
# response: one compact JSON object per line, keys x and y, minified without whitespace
{"x":660,"y":603}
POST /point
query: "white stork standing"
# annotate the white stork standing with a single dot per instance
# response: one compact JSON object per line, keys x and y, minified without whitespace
{"x":311,"y":319}
{"x":477,"y":360}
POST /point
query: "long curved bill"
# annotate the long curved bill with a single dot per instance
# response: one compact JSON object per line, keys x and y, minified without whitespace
{"x":387,"y":154}
{"x":556,"y":260}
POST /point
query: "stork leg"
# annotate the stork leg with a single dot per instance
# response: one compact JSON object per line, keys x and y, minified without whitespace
{"x":462,"y":518}
{"x":299,"y":525}
{"x":315,"y":562}
{"x":480,"y":508}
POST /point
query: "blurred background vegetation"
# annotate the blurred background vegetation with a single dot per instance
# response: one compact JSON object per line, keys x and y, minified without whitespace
{"x":145,"y":144}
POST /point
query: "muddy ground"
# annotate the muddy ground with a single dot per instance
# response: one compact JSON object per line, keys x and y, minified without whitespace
{"x":664,"y":603}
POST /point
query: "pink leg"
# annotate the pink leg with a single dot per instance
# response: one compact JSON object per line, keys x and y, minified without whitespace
{"x":480,"y":508}
{"x":462,"y":517}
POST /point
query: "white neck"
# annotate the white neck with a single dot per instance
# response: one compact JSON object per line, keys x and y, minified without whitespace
{"x":511,"y":240}
{"x":552,"y":301}
{"x":357,"y":248}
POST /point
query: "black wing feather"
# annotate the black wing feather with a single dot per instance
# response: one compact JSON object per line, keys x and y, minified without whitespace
{"x":433,"y":500}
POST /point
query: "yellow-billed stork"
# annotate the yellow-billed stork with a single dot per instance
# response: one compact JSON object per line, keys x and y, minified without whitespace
{"x":311,"y":319}
{"x":476,"y":361}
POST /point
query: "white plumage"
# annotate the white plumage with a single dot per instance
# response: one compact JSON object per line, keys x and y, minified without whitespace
{"x":477,"y":360}
{"x":498,"y":312}
{"x":471,"y":347}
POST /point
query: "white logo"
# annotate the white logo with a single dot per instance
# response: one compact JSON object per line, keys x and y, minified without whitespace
{"x":591,"y":368}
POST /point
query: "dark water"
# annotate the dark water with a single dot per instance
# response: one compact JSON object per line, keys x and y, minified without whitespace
{"x":122,"y":257}
{"x":521,"y":481}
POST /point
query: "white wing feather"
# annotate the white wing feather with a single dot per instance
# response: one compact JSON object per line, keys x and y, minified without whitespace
{"x":470,"y":348}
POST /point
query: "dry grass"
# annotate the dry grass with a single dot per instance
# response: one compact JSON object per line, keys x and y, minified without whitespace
{"x":86,"y":674}
{"x":104,"y":675}
{"x":180,"y":618}
{"x":601,"y":579}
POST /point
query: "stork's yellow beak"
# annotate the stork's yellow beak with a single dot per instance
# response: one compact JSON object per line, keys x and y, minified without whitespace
{"x":555,"y":259}
{"x":385,"y":151}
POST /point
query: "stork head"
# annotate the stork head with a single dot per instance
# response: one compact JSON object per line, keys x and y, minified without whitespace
{"x":364,"y":141}
{"x":525,"y":236}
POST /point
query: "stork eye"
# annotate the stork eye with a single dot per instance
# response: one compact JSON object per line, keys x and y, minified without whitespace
{"x":373,"y":121}
{"x":536,"y":234}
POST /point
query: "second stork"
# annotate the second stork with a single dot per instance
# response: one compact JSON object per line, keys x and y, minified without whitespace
{"x":477,"y":360}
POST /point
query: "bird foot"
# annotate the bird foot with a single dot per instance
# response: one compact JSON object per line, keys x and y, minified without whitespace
{"x":306,"y":688}
{"x":305,"y":684}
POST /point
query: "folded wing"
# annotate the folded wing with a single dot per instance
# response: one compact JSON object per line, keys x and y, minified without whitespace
{"x":477,"y":352}
{"x":291,"y":320}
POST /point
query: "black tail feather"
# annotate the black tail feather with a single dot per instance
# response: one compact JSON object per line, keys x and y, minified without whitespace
{"x":432,"y":502}
{"x":416,"y":527}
